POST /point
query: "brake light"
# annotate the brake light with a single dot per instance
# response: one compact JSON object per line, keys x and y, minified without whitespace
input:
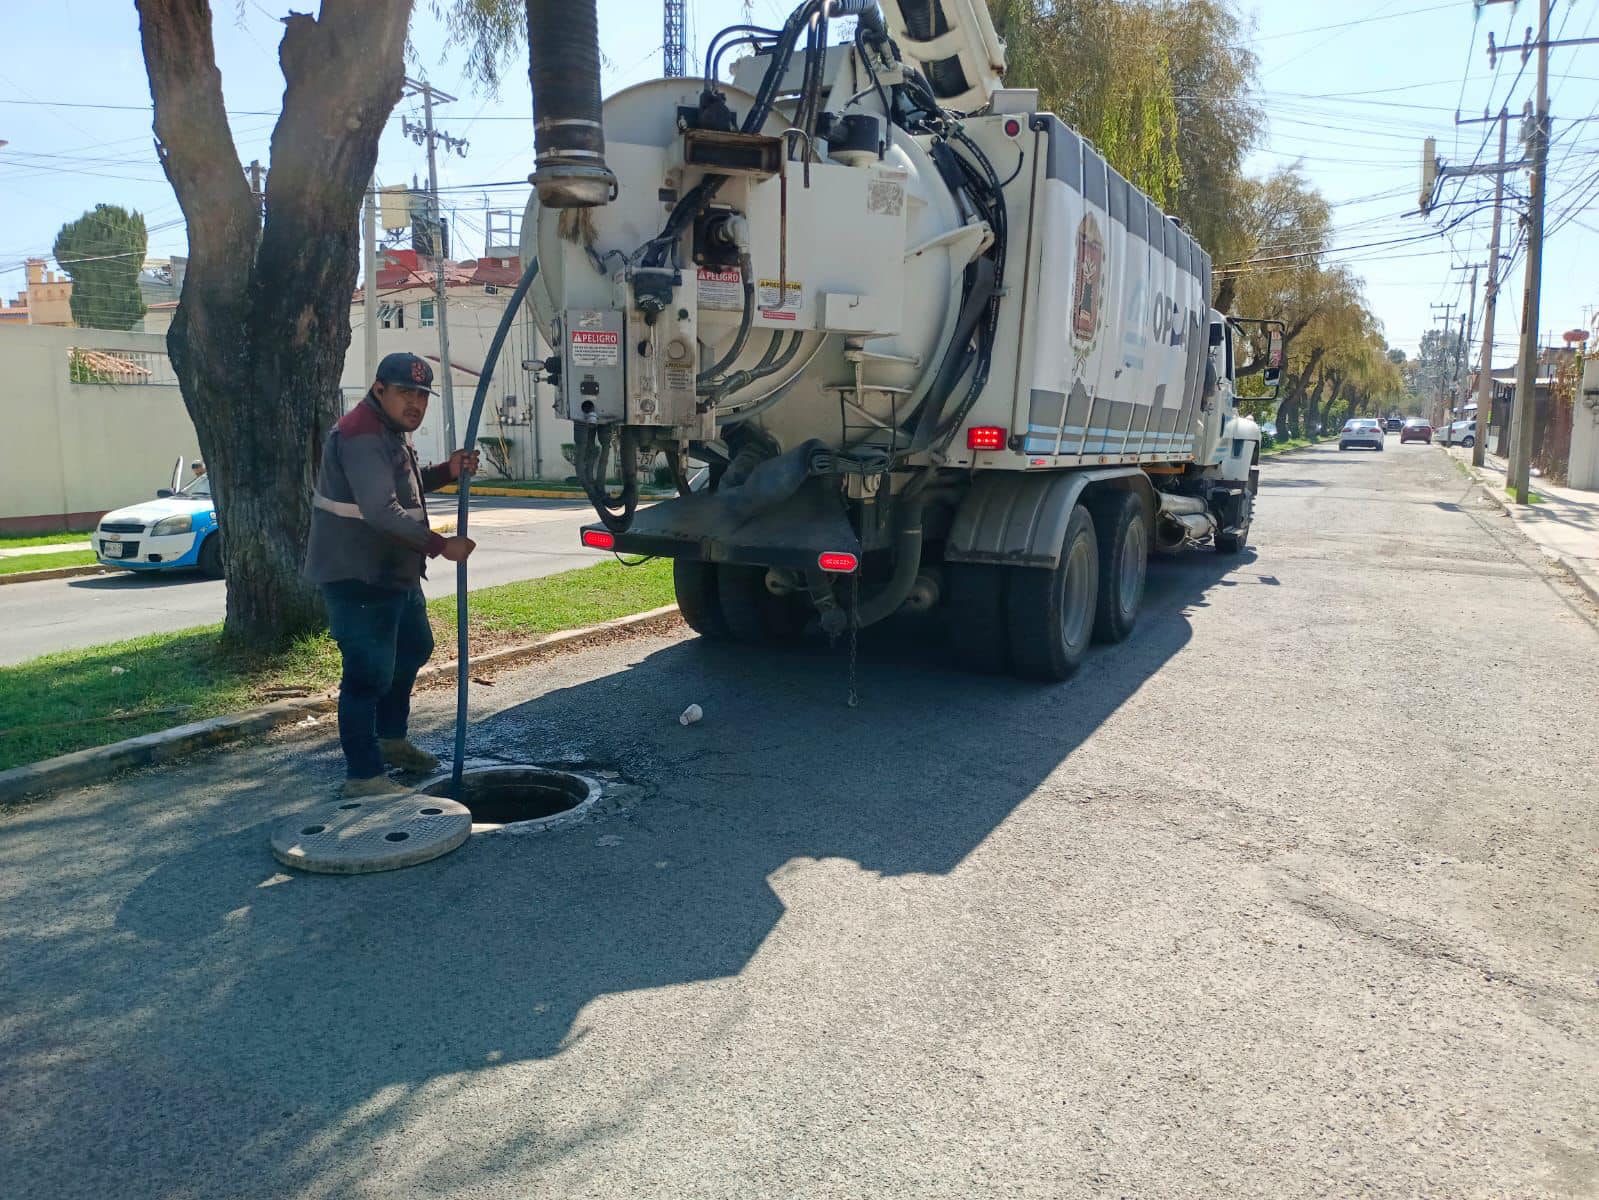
{"x":985,"y":437}
{"x":599,"y":539}
{"x":838,"y":561}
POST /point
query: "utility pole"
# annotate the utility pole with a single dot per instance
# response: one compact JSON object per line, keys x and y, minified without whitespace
{"x":369,"y":280}
{"x":1468,"y":322}
{"x":1537,"y":162}
{"x":1440,"y":406}
{"x":427,"y":133}
{"x":1490,"y":303}
{"x":1527,"y":364}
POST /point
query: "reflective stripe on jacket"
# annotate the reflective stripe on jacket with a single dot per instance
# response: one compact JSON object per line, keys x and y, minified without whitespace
{"x":369,"y":520}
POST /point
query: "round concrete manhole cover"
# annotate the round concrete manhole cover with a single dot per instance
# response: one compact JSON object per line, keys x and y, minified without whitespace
{"x":353,"y":837}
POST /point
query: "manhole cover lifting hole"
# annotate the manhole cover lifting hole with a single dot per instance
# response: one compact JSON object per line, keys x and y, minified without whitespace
{"x":358,"y":837}
{"x":519,"y":795}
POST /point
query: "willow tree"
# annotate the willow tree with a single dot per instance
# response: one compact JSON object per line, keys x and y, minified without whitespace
{"x":1104,"y":67}
{"x":263,"y":322}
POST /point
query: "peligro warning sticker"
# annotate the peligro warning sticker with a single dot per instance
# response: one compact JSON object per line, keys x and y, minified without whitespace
{"x":779,"y":305}
{"x":595,"y":347}
{"x":721,"y":289}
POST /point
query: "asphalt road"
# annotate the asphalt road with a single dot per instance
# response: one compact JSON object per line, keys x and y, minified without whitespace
{"x":517,"y":539}
{"x":1292,"y":895}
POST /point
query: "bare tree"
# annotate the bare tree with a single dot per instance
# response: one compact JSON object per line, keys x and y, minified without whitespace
{"x":263,"y":323}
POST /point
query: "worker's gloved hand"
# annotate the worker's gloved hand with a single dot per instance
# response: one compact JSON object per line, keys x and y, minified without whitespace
{"x":464,"y":460}
{"x":457,"y":548}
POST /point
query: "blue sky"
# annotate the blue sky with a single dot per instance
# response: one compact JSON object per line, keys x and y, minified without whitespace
{"x":1349,"y":90}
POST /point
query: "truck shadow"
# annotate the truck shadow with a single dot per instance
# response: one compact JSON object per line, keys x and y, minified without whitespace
{"x":232,"y":1012}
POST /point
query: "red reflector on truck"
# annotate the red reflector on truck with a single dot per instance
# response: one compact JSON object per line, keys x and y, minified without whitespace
{"x":985,"y":437}
{"x":837,"y":561}
{"x":599,"y":539}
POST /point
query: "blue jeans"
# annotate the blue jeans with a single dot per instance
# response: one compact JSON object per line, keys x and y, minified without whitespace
{"x":385,"y":638}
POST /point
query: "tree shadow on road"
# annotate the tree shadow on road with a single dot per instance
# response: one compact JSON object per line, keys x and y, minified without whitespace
{"x":203,"y":1010}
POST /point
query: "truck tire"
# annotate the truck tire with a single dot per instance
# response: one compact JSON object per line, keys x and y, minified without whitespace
{"x":1123,"y":563}
{"x":1232,"y":543}
{"x":750,"y":612}
{"x":696,"y":586}
{"x":974,"y":608}
{"x":210,"y":558}
{"x":1051,"y":613}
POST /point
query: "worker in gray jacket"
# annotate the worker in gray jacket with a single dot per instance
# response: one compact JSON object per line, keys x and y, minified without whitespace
{"x":370,"y":541}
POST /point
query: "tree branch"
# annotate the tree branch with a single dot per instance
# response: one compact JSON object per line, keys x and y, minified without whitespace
{"x":192,"y":137}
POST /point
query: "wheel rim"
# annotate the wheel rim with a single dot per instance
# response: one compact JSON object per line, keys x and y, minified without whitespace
{"x":1077,"y":605}
{"x":1135,"y":561}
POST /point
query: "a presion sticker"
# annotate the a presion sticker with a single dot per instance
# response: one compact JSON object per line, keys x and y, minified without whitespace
{"x":590,"y":319}
{"x":680,"y":379}
{"x":779,"y":305}
{"x":721,"y":289}
{"x":595,"y":347}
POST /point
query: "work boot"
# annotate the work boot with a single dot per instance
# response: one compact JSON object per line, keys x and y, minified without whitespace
{"x":378,"y":785}
{"x":399,"y":752}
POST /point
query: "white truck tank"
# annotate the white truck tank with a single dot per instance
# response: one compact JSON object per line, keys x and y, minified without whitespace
{"x":927,"y":358}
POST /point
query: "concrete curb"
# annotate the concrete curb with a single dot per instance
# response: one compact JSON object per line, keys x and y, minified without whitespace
{"x":451,"y":489}
{"x":55,"y":573}
{"x":100,"y":763}
{"x":1494,"y":493}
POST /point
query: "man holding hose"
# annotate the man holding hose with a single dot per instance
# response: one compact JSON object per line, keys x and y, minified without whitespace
{"x":370,"y":541}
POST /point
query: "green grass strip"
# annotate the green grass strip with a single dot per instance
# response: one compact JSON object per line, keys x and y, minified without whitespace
{"x":91,"y":697}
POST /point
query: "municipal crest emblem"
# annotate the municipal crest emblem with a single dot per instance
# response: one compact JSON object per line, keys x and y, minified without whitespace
{"x":1089,"y":286}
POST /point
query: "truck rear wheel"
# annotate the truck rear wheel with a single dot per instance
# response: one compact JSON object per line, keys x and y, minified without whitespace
{"x":1123,"y":540}
{"x":974,"y":604}
{"x":750,"y":612}
{"x":1051,"y":613}
{"x":695,"y":583}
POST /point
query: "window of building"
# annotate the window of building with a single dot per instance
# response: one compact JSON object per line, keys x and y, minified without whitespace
{"x":425,"y":309}
{"x":392,"y":316}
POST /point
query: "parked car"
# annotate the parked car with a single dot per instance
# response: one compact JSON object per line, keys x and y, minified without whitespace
{"x":1361,"y":431}
{"x":1461,"y":433}
{"x":1416,"y":430}
{"x":1394,"y":424}
{"x":176,"y":531}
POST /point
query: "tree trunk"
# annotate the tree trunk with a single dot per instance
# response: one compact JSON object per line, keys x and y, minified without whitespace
{"x":259,"y":337}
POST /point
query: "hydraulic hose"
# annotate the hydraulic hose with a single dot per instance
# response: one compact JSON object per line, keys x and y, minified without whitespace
{"x":464,"y":486}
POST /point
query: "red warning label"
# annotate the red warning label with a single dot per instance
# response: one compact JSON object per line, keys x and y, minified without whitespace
{"x":595,"y":347}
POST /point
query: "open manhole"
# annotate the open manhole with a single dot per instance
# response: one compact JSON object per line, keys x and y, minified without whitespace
{"x":519,"y":795}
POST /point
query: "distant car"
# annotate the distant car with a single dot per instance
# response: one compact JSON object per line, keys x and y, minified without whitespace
{"x":1416,"y":430}
{"x":1268,"y":428}
{"x":1361,"y":431}
{"x":1393,"y":424}
{"x":1461,"y":433}
{"x":176,"y":531}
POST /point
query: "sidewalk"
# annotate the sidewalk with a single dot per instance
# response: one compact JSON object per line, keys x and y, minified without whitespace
{"x":52,"y":548}
{"x":1565,"y":526}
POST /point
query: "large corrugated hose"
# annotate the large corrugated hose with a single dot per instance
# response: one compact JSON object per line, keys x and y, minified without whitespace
{"x":464,"y":485}
{"x":564,"y":70}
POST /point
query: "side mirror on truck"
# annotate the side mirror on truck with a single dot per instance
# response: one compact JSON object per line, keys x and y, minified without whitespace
{"x":1275,"y":348}
{"x":1270,"y":365}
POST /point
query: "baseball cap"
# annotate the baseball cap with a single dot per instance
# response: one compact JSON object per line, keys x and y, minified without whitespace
{"x":406,"y":370}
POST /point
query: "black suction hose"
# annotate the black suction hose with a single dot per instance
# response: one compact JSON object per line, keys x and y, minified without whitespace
{"x":464,"y":485}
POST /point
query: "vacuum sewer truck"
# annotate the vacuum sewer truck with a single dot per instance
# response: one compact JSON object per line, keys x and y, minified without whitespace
{"x":904,"y":341}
